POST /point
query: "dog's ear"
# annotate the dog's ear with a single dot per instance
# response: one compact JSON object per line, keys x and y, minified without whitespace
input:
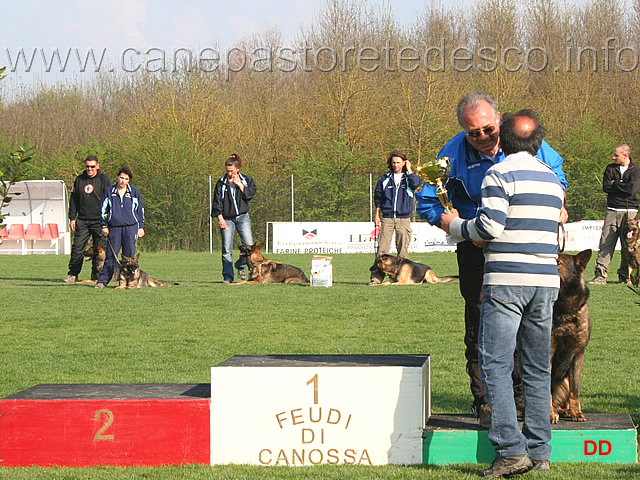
{"x":260,"y":246}
{"x":582,"y":259}
{"x":136,"y":257}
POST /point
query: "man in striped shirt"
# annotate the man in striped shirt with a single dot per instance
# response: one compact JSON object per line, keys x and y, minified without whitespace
{"x":518,"y":224}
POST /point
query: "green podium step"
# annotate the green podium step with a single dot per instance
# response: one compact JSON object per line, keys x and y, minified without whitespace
{"x":604,"y":438}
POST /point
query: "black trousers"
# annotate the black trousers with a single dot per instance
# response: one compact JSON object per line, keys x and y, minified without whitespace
{"x":85,"y":229}
{"x":471,"y":272}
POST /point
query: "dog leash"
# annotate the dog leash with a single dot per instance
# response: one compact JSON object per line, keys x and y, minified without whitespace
{"x":113,"y":251}
{"x":562,"y":238}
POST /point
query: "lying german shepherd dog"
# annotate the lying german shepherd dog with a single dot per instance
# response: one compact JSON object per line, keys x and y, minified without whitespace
{"x":403,"y":271}
{"x":132,"y":277}
{"x":631,"y":249}
{"x":569,"y":337}
{"x":268,"y":271}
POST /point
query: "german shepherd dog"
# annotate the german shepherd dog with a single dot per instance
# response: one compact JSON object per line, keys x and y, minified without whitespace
{"x":268,"y":271}
{"x":631,"y":249}
{"x":569,"y":337}
{"x":97,"y":255}
{"x":403,"y":271}
{"x":132,"y":277}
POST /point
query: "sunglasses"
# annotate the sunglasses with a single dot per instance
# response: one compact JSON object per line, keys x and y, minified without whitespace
{"x":485,"y":130}
{"x":92,"y":166}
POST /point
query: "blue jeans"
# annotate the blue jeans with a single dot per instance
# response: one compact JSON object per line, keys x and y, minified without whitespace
{"x":243,"y":224}
{"x":517,"y":316}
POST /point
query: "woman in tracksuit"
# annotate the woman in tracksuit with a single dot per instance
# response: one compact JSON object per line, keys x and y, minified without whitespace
{"x":230,"y":207}
{"x":394,"y":200}
{"x":122,"y":218}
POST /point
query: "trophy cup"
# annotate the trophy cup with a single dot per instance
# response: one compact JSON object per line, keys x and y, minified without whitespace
{"x":435,"y":173}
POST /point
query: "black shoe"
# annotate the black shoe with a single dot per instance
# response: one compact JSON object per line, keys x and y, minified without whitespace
{"x":541,"y":465}
{"x":484,"y":416}
{"x":482,"y":411}
{"x":508,"y":466}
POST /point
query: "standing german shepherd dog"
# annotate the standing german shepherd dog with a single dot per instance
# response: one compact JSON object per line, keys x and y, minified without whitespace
{"x":268,"y":271}
{"x":631,"y":249}
{"x":97,"y":255}
{"x":403,"y":271}
{"x":569,"y":337}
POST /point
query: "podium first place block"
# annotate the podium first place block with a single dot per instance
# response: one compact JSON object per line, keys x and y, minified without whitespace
{"x":106,"y":424}
{"x":319,"y":409}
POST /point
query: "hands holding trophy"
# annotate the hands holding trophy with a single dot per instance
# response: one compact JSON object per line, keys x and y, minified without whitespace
{"x":435,"y":173}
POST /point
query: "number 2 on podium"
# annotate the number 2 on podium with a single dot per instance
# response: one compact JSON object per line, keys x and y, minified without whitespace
{"x":100,"y":433}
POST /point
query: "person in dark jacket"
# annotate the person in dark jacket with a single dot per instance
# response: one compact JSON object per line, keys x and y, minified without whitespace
{"x":122,"y":220}
{"x":620,"y":182}
{"x":230,"y":207}
{"x":393,"y":197}
{"x":84,"y":215}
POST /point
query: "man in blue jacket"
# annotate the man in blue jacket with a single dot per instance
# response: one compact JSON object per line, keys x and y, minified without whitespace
{"x":393,"y":197}
{"x":471,"y":153}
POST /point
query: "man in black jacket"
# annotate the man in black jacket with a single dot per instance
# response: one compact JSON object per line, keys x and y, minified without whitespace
{"x":620,"y":182}
{"x":84,"y":215}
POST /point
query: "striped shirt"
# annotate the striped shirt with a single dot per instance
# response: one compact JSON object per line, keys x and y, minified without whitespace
{"x":518,"y":221}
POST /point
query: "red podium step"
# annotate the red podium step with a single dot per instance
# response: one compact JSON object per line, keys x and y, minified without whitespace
{"x":106,"y":424}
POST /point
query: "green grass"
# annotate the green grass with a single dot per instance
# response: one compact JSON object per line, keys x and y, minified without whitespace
{"x":52,"y":332}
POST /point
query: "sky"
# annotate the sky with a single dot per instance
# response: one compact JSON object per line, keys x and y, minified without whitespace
{"x":115,"y":30}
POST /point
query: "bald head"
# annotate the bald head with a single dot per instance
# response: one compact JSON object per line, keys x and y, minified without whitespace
{"x":521,"y":132}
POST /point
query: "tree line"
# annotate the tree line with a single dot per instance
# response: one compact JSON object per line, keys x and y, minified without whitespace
{"x":329,"y":106}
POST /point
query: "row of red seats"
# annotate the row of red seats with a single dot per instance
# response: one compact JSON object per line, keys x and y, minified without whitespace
{"x":33,"y":232}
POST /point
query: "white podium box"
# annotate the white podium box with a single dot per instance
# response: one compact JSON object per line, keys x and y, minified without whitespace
{"x":320,"y":409}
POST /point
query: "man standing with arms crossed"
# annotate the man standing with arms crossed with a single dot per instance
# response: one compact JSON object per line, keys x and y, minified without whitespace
{"x":84,"y":215}
{"x":471,"y":153}
{"x":620,"y":182}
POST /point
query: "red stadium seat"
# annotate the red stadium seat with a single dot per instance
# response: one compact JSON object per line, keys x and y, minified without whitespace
{"x":34,"y":232}
{"x":16,"y":232}
{"x":50,"y":232}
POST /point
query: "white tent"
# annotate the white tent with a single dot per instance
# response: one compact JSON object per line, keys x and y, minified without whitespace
{"x":40,"y":208}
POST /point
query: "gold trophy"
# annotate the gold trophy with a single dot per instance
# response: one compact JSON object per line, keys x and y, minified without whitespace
{"x":435,"y":173}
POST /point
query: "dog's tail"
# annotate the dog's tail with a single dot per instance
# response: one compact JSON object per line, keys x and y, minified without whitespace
{"x":431,"y":278}
{"x":446,"y":279}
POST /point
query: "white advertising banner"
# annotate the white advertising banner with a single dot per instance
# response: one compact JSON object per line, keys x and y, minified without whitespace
{"x":326,"y":238}
{"x":583,"y":235}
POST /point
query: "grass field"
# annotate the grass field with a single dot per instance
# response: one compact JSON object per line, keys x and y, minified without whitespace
{"x":52,"y":332}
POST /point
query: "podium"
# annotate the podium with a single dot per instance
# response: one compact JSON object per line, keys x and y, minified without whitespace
{"x":105,"y":424}
{"x":319,"y":409}
{"x":274,"y":410}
